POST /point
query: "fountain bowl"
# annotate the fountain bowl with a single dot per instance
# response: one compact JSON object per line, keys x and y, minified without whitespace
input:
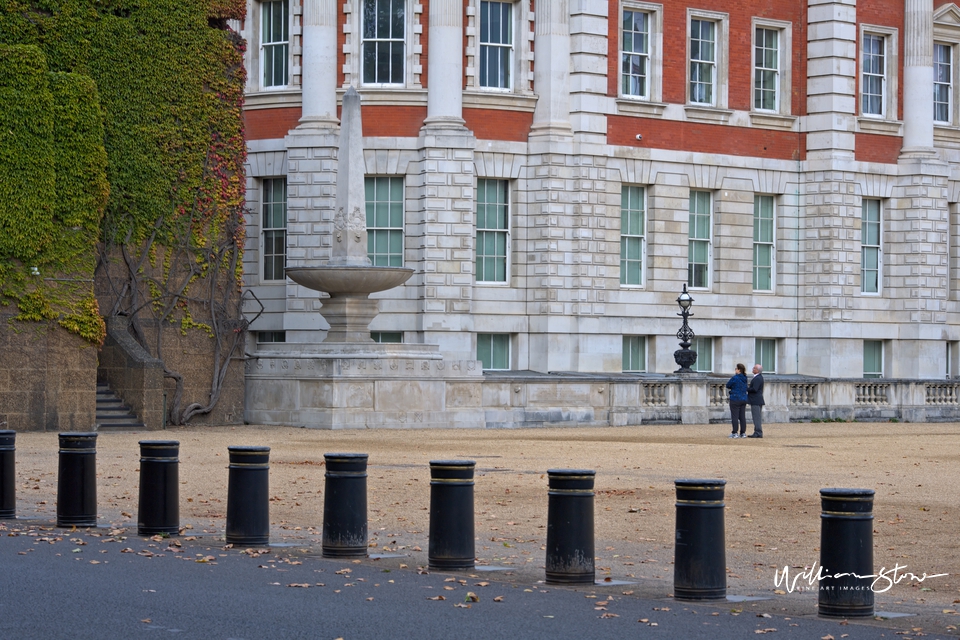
{"x":349,"y":280}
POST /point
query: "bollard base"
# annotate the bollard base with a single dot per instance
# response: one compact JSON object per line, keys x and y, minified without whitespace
{"x":344,"y":552}
{"x":827,"y":611}
{"x":258,"y":541}
{"x":8,"y":515}
{"x":570,"y":578}
{"x":449,"y":564}
{"x":66,"y":523}
{"x":699,"y":595}
{"x":158,"y":531}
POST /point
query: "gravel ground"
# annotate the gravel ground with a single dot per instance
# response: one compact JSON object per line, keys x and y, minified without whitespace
{"x":772,"y":494}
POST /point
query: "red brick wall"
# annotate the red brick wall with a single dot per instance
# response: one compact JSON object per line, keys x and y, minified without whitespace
{"x":490,"y":124}
{"x":685,"y":136}
{"x":265,"y":124}
{"x":390,"y":120}
{"x":705,"y":138}
{"x":870,"y":147}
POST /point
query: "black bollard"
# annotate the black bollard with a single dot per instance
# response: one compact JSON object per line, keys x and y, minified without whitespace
{"x":700,"y":559}
{"x":159,"y":506}
{"x":846,"y":546}
{"x":451,"y":515}
{"x":8,"y":485}
{"x":345,"y":506}
{"x":570,"y":545}
{"x":77,"y":480}
{"x":248,"y":496}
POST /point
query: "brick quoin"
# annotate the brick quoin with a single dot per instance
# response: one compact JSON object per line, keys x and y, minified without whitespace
{"x":424,"y":42}
{"x":870,"y":147}
{"x":491,"y":124}
{"x":267,"y":124}
{"x":705,"y":138}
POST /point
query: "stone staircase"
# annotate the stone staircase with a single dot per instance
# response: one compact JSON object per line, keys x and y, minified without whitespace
{"x":113,"y":414}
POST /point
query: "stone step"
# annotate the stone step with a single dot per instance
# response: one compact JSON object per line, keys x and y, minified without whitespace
{"x":112,"y":414}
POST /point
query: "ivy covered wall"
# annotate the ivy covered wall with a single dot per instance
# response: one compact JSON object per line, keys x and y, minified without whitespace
{"x":122,"y":189}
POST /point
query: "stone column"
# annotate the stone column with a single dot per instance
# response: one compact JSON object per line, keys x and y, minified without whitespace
{"x":551,"y":72}
{"x":319,"y":64}
{"x":445,"y":65}
{"x":918,"y":78}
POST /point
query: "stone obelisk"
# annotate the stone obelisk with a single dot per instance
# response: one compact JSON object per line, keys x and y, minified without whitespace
{"x":350,"y":219}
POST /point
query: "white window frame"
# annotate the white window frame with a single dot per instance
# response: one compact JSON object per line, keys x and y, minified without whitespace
{"x":943,"y":76}
{"x":494,"y":231}
{"x":262,"y":45}
{"x":720,"y":62}
{"x":408,"y":30}
{"x":784,"y":67}
{"x":883,"y":358}
{"x":373,"y":229}
{"x":501,"y":336}
{"x":264,"y":229}
{"x":772,"y":243}
{"x":698,"y":341}
{"x":878,"y":247}
{"x":508,"y":49}
{"x":654,"y":53}
{"x":759,"y":346}
{"x":946,"y":31}
{"x":627,"y":364}
{"x":521,"y":73}
{"x":642,"y":236}
{"x":888,"y":98}
{"x":709,"y":241}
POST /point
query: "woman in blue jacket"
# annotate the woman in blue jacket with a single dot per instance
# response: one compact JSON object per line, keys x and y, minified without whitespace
{"x":738,"y":401}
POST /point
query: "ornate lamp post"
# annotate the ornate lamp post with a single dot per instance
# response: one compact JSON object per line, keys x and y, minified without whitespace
{"x":684,"y":356}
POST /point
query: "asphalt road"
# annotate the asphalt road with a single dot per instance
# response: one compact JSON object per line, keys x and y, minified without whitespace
{"x":109,"y":583}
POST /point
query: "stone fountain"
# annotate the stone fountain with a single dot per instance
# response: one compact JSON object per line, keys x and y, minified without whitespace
{"x":349,"y":277}
{"x":348,"y":380}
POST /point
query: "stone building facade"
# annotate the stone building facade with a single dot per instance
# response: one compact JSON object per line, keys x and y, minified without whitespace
{"x":555,"y":172}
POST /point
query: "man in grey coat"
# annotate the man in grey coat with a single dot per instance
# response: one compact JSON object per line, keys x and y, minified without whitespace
{"x":755,"y":400}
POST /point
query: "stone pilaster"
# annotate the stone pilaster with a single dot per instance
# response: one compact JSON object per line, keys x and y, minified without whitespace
{"x":442,"y":228}
{"x":311,"y":199}
{"x":570,"y":257}
{"x":588,"y":69}
{"x":831,"y":79}
{"x":918,"y":78}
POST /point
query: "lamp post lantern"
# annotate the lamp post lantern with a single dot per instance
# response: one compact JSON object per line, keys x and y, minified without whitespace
{"x":684,"y":356}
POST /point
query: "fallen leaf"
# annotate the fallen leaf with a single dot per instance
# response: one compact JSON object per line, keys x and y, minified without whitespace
{"x":827,"y":637}
{"x":764,"y":615}
{"x":94,"y":562}
{"x":437,"y":598}
{"x":302,"y":585}
{"x":764,"y":630}
{"x":498,"y":599}
{"x":460,"y":605}
{"x":487,"y":584}
{"x":609,"y":615}
{"x":369,"y":599}
{"x":471,"y":597}
{"x":146,"y":621}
